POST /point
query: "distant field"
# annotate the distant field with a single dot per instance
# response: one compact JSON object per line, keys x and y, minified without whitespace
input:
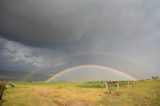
{"x":141,"y":93}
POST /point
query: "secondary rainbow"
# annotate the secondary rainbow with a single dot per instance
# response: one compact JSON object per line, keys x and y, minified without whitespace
{"x":90,"y":65}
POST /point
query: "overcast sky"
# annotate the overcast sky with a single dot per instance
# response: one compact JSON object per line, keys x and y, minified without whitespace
{"x":45,"y":36}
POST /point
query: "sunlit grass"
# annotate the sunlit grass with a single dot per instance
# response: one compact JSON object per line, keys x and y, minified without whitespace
{"x":51,"y":94}
{"x":141,"y":93}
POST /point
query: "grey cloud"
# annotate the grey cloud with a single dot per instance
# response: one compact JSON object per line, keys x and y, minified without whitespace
{"x":16,"y":53}
{"x":50,"y":21}
{"x":54,"y":30}
{"x":61,"y":22}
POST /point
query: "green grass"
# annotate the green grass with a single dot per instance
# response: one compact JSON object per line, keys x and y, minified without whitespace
{"x":141,"y":93}
{"x":96,"y":84}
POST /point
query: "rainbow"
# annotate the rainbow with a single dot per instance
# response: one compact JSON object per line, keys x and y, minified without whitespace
{"x":90,"y":65}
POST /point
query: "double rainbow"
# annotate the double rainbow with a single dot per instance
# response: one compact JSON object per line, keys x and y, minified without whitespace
{"x":90,"y":65}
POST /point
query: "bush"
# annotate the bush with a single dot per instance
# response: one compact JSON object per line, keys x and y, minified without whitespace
{"x":155,"y":77}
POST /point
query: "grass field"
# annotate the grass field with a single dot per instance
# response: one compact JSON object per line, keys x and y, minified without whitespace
{"x":141,"y":93}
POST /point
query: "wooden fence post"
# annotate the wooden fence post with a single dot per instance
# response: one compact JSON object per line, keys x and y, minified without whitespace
{"x":128,"y":84}
{"x":107,"y":88}
{"x":118,"y":86}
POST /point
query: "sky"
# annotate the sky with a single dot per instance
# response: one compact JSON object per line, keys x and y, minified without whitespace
{"x":39,"y":39}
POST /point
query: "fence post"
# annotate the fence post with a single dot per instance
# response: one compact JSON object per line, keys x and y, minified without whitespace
{"x":107,"y":88}
{"x":118,"y":86}
{"x":128,"y":84}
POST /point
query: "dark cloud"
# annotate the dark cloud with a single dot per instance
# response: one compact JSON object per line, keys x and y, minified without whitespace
{"x":38,"y":34}
{"x":50,"y":23}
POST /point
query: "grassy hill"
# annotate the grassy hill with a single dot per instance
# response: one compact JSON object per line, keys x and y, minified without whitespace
{"x":141,"y":93}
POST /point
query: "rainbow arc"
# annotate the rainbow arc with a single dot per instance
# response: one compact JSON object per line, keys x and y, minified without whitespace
{"x":90,"y":65}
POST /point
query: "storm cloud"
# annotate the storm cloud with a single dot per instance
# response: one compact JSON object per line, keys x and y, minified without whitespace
{"x":37,"y":36}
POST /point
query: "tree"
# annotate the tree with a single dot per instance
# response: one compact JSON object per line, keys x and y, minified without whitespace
{"x":155,"y":77}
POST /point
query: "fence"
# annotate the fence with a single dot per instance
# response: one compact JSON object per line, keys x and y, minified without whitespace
{"x":116,"y":85}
